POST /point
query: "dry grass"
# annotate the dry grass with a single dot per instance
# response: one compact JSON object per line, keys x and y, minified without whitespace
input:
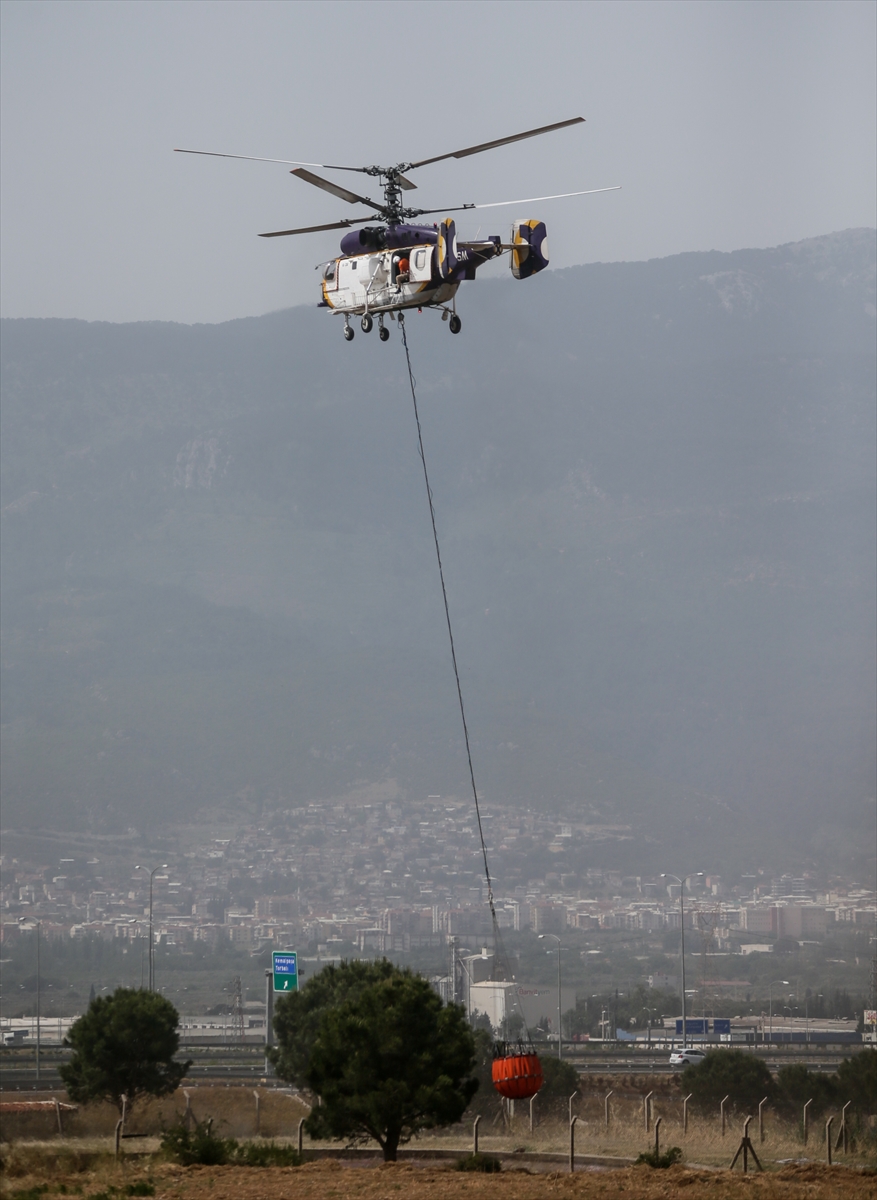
{"x":626,"y":1137}
{"x":233,"y":1110}
{"x":86,"y":1165}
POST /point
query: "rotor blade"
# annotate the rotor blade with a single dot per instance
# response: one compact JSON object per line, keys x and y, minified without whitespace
{"x":516,"y":137}
{"x":530,"y":200}
{"x":405,"y":183}
{"x":289,"y":162}
{"x":320,"y":228}
{"x":333,"y":188}
{"x":537,"y":199}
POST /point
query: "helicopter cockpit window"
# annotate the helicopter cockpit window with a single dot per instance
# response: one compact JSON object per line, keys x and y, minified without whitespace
{"x":329,"y":273}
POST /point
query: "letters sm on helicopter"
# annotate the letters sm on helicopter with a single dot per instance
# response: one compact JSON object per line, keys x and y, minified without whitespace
{"x":392,"y":264}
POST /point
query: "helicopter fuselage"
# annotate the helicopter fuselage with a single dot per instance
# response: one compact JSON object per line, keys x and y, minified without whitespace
{"x":406,"y":266}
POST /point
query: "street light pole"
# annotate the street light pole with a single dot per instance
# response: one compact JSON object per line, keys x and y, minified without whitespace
{"x":152,"y":873}
{"x":807,"y":1012}
{"x":559,"y":1014}
{"x":39,"y":926}
{"x":785,"y":982}
{"x":682,"y":883}
{"x":649,"y":1011}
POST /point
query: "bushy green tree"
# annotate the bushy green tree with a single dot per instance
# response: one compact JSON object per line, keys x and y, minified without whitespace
{"x":857,"y":1081}
{"x":486,"y":1100}
{"x":297,"y":1015}
{"x":560,"y":1080}
{"x":384,"y":1054}
{"x":796,"y":1085}
{"x":737,"y":1074}
{"x":124,"y":1046}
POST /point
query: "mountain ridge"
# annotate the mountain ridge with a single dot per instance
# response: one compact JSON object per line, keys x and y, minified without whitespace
{"x":655,"y":496}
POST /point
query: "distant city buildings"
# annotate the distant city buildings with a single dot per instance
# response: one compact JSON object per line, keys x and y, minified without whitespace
{"x":387,"y":877}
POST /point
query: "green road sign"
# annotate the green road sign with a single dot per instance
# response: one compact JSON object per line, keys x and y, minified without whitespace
{"x":285,"y":969}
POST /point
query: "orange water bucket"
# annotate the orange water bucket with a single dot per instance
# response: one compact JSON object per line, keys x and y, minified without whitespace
{"x":517,"y":1076}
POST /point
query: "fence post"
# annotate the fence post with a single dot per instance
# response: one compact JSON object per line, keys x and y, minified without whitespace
{"x":685,"y":1100}
{"x":606,"y":1105}
{"x":807,"y":1120}
{"x":118,"y":1136}
{"x":475,"y":1135}
{"x":828,"y":1140}
{"x":841,"y":1142}
{"x":646,"y":1098}
{"x":745,"y":1148}
{"x":532,"y":1122}
{"x":301,"y":1134}
{"x":761,"y":1119}
{"x":58,"y":1116}
{"x":258,"y":1113}
{"x":722,"y":1111}
{"x":572,"y":1144}
{"x":657,"y":1139}
{"x":746,"y":1145}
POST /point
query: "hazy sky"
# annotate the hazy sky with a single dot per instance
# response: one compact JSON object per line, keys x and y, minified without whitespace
{"x":728,"y":125}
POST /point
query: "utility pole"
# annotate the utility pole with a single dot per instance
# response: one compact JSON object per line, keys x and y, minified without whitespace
{"x":555,"y":938}
{"x":152,"y":874}
{"x":237,"y":1011}
{"x":269,"y":1015}
{"x":39,"y":926}
{"x":682,"y":883}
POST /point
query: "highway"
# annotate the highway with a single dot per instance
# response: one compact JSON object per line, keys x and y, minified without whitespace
{"x":246,"y":1064}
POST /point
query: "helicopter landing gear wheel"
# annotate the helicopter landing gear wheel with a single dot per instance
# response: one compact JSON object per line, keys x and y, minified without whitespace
{"x":366,"y":324}
{"x":384,"y":333}
{"x":348,"y":332}
{"x":455,"y":324}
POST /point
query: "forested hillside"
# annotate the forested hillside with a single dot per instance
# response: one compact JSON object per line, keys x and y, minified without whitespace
{"x":655,"y":486}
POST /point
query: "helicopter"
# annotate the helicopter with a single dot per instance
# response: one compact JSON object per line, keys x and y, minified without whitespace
{"x":391,"y":263}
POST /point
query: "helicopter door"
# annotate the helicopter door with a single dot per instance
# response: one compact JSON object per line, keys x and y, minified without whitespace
{"x":420,"y":270}
{"x":330,"y":276}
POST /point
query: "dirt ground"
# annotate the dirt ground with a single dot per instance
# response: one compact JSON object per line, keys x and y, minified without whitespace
{"x":330,"y":1180}
{"x":103,"y":1179}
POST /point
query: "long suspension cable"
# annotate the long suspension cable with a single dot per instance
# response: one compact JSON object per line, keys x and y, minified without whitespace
{"x":438,"y":555}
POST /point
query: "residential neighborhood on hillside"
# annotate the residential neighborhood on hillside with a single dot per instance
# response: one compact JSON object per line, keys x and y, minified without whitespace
{"x":383,"y":878}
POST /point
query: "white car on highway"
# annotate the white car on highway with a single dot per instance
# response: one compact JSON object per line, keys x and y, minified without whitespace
{"x":688,"y":1055}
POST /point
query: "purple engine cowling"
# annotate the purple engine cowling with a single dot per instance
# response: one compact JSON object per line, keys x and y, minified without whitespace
{"x":376,"y":237}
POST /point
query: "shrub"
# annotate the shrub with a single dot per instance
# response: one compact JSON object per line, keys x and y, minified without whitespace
{"x":734,"y":1073}
{"x":200,"y":1145}
{"x":560,"y":1080}
{"x":797,"y":1085}
{"x":205,"y":1148}
{"x":485,"y":1163}
{"x":857,"y":1081}
{"x":667,"y":1159}
{"x":266,"y":1154}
